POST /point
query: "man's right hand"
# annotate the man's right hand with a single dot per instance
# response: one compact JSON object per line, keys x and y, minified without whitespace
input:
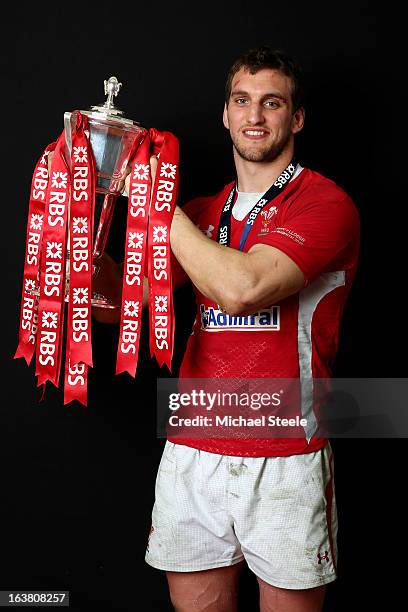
{"x":49,"y":160}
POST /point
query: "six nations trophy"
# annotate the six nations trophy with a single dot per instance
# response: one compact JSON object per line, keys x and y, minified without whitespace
{"x":72,"y":201}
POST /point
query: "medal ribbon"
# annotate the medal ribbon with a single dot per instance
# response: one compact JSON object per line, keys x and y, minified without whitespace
{"x":29,"y":300}
{"x":224,"y":228}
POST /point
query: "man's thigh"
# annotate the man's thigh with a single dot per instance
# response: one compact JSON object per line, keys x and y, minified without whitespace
{"x":214,"y":590}
{"x":275,"y":599}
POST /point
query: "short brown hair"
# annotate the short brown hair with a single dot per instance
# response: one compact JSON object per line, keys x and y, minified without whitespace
{"x":266,"y":57}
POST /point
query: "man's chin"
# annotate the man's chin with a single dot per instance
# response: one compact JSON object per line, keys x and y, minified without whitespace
{"x":256,"y":156}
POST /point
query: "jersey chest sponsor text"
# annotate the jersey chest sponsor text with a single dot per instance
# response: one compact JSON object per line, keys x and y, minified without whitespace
{"x":213,"y":319}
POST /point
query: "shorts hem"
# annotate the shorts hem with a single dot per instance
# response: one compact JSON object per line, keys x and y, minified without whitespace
{"x":206,"y":566}
{"x":292,"y":585}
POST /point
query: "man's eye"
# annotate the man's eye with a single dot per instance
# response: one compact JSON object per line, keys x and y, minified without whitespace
{"x":271,"y":104}
{"x":240,"y":101}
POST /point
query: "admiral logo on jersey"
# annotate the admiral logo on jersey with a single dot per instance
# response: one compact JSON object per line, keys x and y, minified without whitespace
{"x":267,"y":319}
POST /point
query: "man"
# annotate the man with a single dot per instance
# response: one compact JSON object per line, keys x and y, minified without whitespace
{"x":268,"y":501}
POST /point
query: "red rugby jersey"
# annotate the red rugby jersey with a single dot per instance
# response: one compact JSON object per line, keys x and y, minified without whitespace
{"x":317,"y":225}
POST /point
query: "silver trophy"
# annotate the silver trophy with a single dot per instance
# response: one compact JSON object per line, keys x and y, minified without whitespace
{"x":112,"y":138}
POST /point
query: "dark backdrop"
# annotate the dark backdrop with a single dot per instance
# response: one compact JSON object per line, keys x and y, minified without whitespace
{"x":78,"y":484}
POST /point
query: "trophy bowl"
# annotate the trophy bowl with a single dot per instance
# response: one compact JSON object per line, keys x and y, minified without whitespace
{"x":112,"y":138}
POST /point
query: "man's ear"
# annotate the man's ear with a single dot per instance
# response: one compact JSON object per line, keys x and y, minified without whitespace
{"x":298,"y":120}
{"x":225,"y":117}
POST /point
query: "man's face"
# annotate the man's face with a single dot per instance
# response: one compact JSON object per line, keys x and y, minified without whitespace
{"x":259,"y":114}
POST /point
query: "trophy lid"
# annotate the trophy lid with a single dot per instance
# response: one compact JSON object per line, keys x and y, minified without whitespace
{"x":107,"y":110}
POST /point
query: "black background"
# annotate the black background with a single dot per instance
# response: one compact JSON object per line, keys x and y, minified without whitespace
{"x":77,"y":484}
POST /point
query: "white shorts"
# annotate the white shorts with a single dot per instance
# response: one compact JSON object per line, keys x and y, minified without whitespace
{"x":277,"y":513}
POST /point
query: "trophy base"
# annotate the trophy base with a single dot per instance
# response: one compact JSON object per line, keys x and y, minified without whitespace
{"x":101,"y":301}
{"x":98,"y":300}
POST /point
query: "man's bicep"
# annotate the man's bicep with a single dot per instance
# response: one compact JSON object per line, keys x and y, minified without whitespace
{"x":277,"y":275}
{"x":320,"y":237}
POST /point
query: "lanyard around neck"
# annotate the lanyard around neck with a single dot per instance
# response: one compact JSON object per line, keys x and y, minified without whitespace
{"x":224,"y":228}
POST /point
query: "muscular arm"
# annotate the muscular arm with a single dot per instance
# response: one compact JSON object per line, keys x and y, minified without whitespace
{"x":240,"y":282}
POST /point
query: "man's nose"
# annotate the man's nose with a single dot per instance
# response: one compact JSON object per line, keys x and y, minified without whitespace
{"x":255,"y":114}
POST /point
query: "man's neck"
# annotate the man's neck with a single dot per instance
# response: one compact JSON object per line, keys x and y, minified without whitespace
{"x":257,"y":177}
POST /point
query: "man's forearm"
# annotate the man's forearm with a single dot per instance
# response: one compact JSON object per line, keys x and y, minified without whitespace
{"x":221,"y":273}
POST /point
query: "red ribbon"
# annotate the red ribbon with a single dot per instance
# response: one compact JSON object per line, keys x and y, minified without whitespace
{"x":162,"y":207}
{"x":156,"y":220}
{"x":52,"y":270}
{"x":79,"y":344}
{"x":134,"y":264}
{"x":68,"y":195}
{"x":29,"y":300}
